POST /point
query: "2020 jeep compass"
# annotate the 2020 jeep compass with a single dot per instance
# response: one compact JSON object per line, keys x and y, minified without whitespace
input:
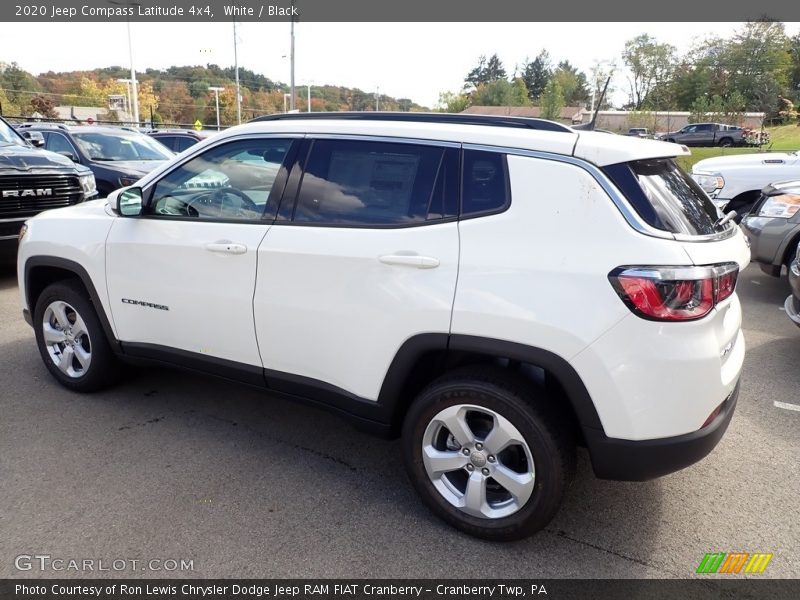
{"x":494,"y":290}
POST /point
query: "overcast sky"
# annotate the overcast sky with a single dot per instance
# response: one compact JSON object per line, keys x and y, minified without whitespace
{"x":413,"y":60}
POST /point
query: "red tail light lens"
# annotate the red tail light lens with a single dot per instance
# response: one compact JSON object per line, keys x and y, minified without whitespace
{"x":674,"y":293}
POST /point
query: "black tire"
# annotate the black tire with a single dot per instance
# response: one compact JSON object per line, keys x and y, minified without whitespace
{"x":546,"y":434}
{"x":726,"y":142}
{"x":103,"y":368}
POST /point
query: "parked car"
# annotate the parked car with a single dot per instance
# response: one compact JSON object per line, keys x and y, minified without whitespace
{"x":735,"y":182}
{"x":792,"y":304}
{"x":773,"y":226}
{"x":118,"y":156}
{"x":706,"y":134}
{"x":33,"y":180}
{"x":641,"y":132}
{"x":492,"y":290}
{"x":179,"y":140}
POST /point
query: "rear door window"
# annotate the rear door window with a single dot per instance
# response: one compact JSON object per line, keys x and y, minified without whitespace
{"x":368,"y":184}
{"x":665,"y":197}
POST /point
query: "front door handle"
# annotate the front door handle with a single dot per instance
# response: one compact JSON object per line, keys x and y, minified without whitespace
{"x":226,"y":247}
{"x":410,"y":260}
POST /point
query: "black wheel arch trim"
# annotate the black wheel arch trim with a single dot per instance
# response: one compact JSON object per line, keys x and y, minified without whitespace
{"x":79,"y":271}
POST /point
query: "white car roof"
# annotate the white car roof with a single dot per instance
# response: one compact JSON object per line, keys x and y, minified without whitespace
{"x":598,"y":148}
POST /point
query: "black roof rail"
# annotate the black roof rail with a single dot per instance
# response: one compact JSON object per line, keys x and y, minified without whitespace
{"x":413,"y":117}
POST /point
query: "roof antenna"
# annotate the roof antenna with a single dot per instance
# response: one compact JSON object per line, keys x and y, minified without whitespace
{"x":590,"y":125}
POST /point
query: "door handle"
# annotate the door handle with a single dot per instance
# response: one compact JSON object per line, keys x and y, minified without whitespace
{"x":226,"y":247}
{"x":410,"y":260}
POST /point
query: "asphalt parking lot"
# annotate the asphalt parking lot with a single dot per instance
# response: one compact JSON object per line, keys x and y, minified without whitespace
{"x":173,"y":466}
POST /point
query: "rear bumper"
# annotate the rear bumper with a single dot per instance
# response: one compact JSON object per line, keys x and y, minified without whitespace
{"x":628,"y":460}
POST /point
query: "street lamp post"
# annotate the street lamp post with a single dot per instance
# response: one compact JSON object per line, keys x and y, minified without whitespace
{"x":236,"y":63}
{"x":291,"y":82}
{"x":216,"y":91}
{"x":308,"y":85}
{"x":134,"y":91}
{"x":128,"y":107}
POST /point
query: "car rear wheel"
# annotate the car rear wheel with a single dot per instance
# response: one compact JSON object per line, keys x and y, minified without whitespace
{"x":71,"y":340}
{"x":726,"y":142}
{"x":485,"y":456}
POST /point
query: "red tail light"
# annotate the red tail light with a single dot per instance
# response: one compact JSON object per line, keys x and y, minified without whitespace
{"x":674,"y":293}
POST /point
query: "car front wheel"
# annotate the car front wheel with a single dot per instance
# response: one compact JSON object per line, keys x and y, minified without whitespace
{"x":71,"y":340}
{"x":485,"y":455}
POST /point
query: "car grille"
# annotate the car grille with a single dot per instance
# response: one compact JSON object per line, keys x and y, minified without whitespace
{"x":64,"y":190}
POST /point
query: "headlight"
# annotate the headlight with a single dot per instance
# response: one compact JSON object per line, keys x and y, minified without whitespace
{"x":782,"y":207}
{"x":88,"y":184}
{"x":125,"y":181}
{"x":710,"y":183}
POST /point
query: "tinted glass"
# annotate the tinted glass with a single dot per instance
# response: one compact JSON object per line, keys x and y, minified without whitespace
{"x":167,"y":140}
{"x":444,"y":200}
{"x":367,"y":183}
{"x":58,"y":143}
{"x":121,"y":145}
{"x":485,"y":185}
{"x":665,"y":197}
{"x":183,"y":142}
{"x":705,"y":127}
{"x":9,"y":136}
{"x":232,"y":181}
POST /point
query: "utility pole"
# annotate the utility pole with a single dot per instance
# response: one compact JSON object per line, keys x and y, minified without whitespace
{"x":216,"y":91}
{"x":236,"y":67}
{"x":291,"y":82}
{"x":308,"y":85}
{"x":377,"y":98}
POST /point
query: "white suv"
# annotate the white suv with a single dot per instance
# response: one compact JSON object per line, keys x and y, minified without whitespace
{"x":494,"y":290}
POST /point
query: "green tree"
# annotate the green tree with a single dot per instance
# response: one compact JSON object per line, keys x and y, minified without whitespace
{"x":485,"y":72}
{"x":552,"y":101}
{"x":500,"y":93}
{"x":536,"y":74}
{"x":573,"y":83}
{"x":651,"y":63}
{"x":450,"y":102}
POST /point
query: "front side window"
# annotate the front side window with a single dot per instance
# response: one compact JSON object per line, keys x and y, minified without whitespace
{"x":58,"y":143}
{"x":231,"y":181}
{"x":369,"y":183}
{"x":9,"y":136}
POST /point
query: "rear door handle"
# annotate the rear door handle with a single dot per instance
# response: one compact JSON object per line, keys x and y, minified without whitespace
{"x":410,"y":260}
{"x":226,"y":247}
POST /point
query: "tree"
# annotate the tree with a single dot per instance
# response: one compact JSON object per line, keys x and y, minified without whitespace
{"x":573,"y":84}
{"x":759,"y":64}
{"x":552,"y":101}
{"x":500,"y":93}
{"x":536,"y":74}
{"x":450,"y":102}
{"x":650,"y":64}
{"x":45,"y":106}
{"x":485,"y":72}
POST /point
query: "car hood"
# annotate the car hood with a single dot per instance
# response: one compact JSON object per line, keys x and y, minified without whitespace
{"x":25,"y":158}
{"x":131,"y":167}
{"x":744,"y":160}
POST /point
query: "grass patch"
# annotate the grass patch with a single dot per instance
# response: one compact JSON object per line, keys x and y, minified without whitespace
{"x":783,"y":138}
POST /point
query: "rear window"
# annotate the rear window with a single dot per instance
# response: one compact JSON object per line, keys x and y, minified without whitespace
{"x":665,"y":197}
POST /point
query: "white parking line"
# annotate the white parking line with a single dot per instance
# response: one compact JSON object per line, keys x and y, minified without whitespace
{"x":787,"y":406}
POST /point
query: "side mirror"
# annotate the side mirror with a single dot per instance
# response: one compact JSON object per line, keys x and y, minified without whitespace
{"x":34,"y":137}
{"x":69,"y":155}
{"x":129,"y":202}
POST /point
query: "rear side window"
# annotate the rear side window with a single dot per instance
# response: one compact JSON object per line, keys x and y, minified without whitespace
{"x":665,"y":197}
{"x":370,"y":183}
{"x":485,"y":187}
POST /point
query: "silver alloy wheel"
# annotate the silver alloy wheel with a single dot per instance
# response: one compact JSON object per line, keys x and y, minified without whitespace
{"x":66,"y":339}
{"x":478,"y":461}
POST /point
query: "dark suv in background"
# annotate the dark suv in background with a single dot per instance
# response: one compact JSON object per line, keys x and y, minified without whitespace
{"x":179,"y":140}
{"x":118,"y":156}
{"x":33,"y":180}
